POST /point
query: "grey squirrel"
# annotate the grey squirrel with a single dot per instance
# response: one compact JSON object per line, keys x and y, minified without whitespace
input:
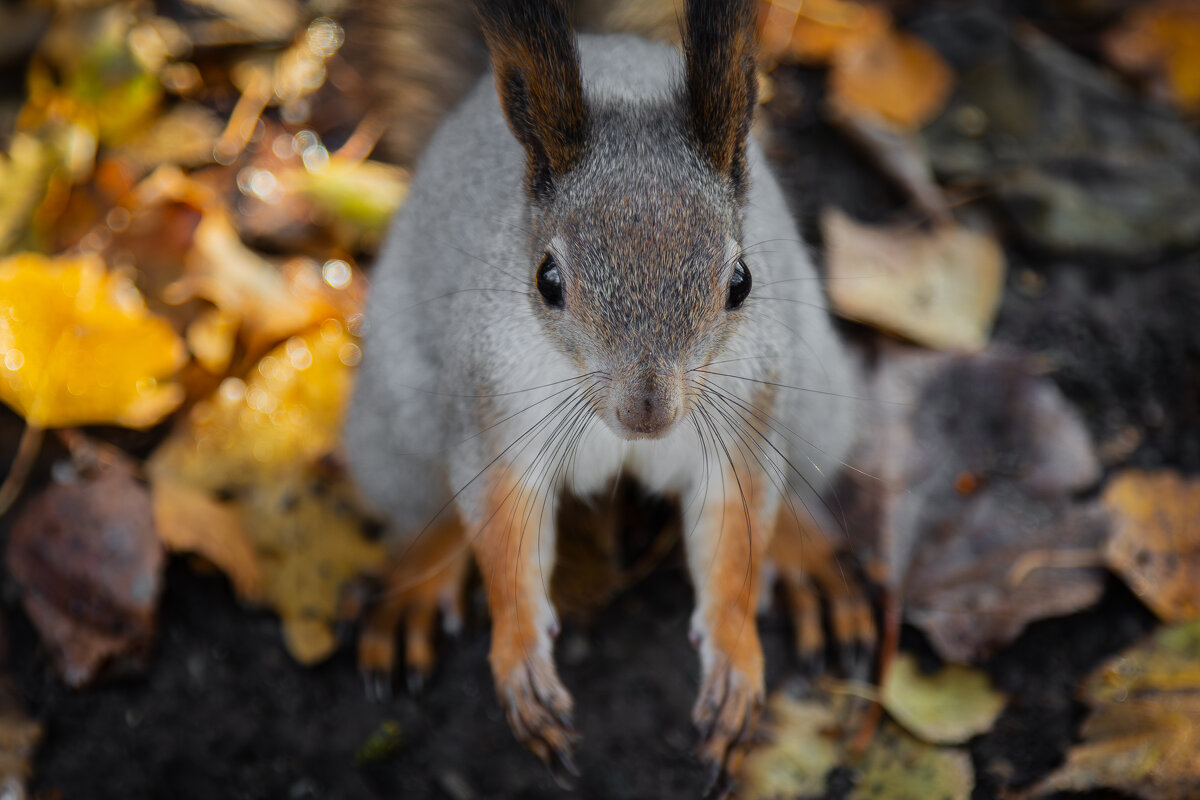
{"x":595,"y":274}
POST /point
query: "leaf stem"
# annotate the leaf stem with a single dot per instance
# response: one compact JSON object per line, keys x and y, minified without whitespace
{"x":22,"y":465}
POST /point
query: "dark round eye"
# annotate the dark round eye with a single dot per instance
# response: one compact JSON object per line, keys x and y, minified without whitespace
{"x":739,"y":285}
{"x":549,"y":282}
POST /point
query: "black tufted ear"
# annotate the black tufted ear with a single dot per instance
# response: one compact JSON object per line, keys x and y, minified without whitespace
{"x":721,"y":82}
{"x":537,"y":77}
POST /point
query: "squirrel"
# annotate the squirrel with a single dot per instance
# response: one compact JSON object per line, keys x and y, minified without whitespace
{"x":596,"y":274}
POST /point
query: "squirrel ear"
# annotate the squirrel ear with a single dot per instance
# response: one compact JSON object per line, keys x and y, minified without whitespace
{"x":537,"y":77}
{"x":721,"y":82}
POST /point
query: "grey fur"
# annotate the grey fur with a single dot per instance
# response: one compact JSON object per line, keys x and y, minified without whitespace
{"x":457,"y":333}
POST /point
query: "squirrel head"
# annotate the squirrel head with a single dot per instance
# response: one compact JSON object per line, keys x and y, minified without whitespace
{"x":635,"y":260}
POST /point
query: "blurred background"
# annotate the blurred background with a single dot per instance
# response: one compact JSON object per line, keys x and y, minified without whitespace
{"x":1004,"y":200}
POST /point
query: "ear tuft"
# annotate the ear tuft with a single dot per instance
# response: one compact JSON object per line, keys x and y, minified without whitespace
{"x":721,"y":82}
{"x":537,"y":77}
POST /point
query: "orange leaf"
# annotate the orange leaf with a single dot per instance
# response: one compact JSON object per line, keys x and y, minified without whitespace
{"x":77,"y":346}
{"x":1155,"y":545}
{"x":1162,"y":40}
{"x":897,"y":77}
{"x":815,"y":31}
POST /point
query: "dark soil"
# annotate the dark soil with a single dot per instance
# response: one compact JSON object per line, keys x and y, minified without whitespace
{"x":221,"y":711}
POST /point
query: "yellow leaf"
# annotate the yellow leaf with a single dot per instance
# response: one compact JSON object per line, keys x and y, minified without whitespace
{"x":896,"y":77}
{"x":77,"y":346}
{"x":948,"y":707}
{"x":801,"y":747}
{"x":259,"y":443}
{"x":900,"y":767}
{"x":940,"y":288}
{"x":1155,"y":545}
{"x":1143,"y":735}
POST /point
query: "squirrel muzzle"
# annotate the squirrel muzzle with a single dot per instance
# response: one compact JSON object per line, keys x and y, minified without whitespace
{"x":648,"y":406}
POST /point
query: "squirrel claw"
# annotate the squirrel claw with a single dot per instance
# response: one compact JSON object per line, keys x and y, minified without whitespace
{"x":538,"y":709}
{"x":377,"y":685}
{"x":726,"y":714}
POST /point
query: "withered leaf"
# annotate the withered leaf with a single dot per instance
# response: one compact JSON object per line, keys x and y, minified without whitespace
{"x":895,"y":77}
{"x":974,"y":463}
{"x":1143,"y":735}
{"x":1155,"y":544}
{"x":90,"y":568}
{"x":898,"y":766}
{"x":1161,"y":40}
{"x":940,"y":288}
{"x":240,"y":482}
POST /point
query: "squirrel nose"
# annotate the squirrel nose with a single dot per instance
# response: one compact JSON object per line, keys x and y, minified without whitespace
{"x":648,"y":409}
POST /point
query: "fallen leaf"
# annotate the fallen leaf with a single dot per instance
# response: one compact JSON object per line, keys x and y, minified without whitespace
{"x":359,"y":195}
{"x":256,"y":498}
{"x":1076,"y":161}
{"x":1142,"y":737}
{"x":940,"y":288}
{"x":190,"y":520}
{"x":896,"y":77}
{"x":948,"y":707}
{"x":1161,"y":41}
{"x":1155,"y":546}
{"x":899,"y":767}
{"x":802,"y":746}
{"x":25,"y":172}
{"x":272,"y":302}
{"x":211,"y":338}
{"x":97,"y":84}
{"x":19,"y":737}
{"x":973,"y":568}
{"x":815,"y":31}
{"x":79,"y":346}
{"x":90,"y":567}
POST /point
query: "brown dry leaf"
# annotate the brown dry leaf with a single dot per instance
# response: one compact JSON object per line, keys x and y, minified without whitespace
{"x":815,"y":31}
{"x":90,"y":567}
{"x":1161,"y":40}
{"x":948,"y":707}
{"x":1155,"y":544}
{"x":78,"y":347}
{"x":940,"y":288}
{"x":287,"y":533}
{"x":896,"y":78}
{"x":974,"y":512}
{"x":1143,"y":735}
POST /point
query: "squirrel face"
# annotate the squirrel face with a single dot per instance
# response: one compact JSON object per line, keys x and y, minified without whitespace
{"x":635,"y":204}
{"x":636,"y":270}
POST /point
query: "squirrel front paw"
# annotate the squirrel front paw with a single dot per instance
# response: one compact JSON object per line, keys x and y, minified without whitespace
{"x":538,"y":708}
{"x":424,"y":583}
{"x":726,"y":715}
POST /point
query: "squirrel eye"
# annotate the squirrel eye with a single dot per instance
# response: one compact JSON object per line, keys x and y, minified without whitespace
{"x":549,"y":282}
{"x":739,"y":285}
